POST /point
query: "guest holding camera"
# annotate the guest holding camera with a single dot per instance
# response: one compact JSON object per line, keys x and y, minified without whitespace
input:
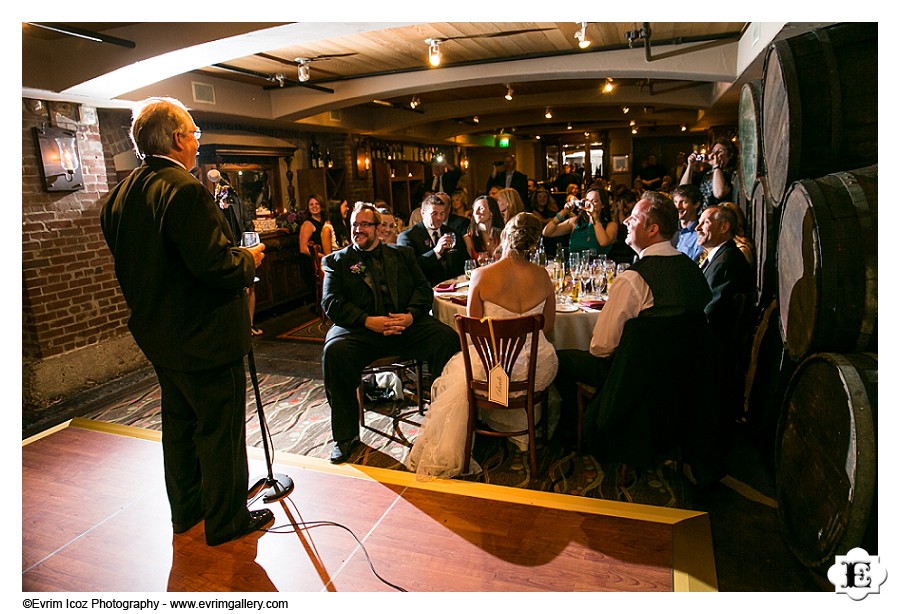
{"x":716,"y":183}
{"x":588,"y":223}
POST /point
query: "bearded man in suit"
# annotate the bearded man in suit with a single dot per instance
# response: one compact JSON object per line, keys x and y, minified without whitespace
{"x":380,"y":302}
{"x":184,"y":278}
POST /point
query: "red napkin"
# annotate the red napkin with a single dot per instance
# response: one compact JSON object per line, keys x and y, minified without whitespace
{"x":447,"y":286}
{"x":459,"y":300}
{"x":593,"y":304}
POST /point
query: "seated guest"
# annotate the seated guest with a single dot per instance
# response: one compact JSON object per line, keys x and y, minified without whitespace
{"x":725,"y":269}
{"x":458,"y":223}
{"x":379,"y":302}
{"x":663,"y":281}
{"x":419,"y":197}
{"x":543,"y":205}
{"x":311,"y":228}
{"x":687,"y":200}
{"x":624,"y":202}
{"x":459,"y":204}
{"x":336,"y":230}
{"x":510,"y":203}
{"x":591,"y":227}
{"x":435,"y":243}
{"x":387,"y":229}
{"x":485,"y":227}
{"x":744,"y":243}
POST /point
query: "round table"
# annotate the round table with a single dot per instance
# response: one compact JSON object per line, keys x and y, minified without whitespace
{"x":572,"y":330}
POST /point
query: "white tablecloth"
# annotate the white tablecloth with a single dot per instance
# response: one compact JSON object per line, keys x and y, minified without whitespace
{"x":572,"y":331}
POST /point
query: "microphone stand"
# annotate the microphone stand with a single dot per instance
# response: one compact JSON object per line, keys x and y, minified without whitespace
{"x":276,"y":485}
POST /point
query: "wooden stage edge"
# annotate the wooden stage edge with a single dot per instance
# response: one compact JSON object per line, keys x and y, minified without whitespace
{"x":692,"y":549}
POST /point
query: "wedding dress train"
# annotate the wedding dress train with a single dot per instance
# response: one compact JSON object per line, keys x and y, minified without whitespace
{"x":438,"y":450}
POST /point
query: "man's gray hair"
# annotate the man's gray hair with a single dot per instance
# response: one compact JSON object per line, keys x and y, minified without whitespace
{"x":154,"y":121}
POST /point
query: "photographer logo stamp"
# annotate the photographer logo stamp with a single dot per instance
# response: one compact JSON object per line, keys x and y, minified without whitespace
{"x":857,"y":574}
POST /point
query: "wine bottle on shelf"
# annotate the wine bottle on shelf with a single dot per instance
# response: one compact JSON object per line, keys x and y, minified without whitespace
{"x":329,"y":163}
{"x":313,"y":154}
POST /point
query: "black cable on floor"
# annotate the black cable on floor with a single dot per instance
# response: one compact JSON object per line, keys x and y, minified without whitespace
{"x":305,"y":526}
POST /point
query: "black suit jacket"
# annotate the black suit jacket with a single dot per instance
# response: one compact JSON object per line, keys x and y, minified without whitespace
{"x":729,"y":275}
{"x":519,"y":183}
{"x":348,"y":292}
{"x":436,"y":270}
{"x":179,"y":268}
{"x":448,"y":181}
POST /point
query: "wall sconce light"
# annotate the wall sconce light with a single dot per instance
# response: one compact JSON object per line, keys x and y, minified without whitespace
{"x":302,"y":69}
{"x":363,"y":161}
{"x":60,"y":164}
{"x":509,"y":92}
{"x":581,"y":36}
{"x":608,"y":86}
{"x":548,"y":114}
{"x":537,"y":137}
{"x":434,"y":51}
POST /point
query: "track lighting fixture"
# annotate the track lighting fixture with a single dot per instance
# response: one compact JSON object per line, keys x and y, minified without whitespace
{"x":302,"y":69}
{"x":625,"y":110}
{"x":608,"y":86}
{"x":548,"y":114}
{"x":683,"y":127}
{"x":581,"y":36}
{"x":569,"y":126}
{"x":434,"y":51}
{"x":509,"y":92}
{"x":475,"y":119}
{"x":414,"y":102}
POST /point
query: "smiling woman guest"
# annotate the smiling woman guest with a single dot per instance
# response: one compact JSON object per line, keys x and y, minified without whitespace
{"x":485,"y":228}
{"x":311,"y":229}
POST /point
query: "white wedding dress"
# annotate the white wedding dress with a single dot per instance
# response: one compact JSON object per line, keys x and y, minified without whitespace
{"x":438,"y":450}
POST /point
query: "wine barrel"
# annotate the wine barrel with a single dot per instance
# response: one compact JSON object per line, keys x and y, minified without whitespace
{"x":826,"y":461}
{"x":768,"y":372}
{"x":827,"y":262}
{"x":764,"y":218}
{"x":750,"y":136}
{"x":820,"y":104}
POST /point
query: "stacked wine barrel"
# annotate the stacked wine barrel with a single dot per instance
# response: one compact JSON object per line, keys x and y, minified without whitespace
{"x":809,"y":176}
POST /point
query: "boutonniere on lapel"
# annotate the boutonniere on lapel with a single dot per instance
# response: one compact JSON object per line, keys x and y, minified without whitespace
{"x":358,"y":269}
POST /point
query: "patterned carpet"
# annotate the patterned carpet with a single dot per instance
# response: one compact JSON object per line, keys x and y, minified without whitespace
{"x":298,"y":419}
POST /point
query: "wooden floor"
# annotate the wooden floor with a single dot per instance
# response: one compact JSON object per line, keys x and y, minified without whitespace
{"x":95,"y":518}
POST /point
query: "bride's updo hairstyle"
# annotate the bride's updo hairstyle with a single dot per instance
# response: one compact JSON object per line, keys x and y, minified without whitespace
{"x":522,"y":234}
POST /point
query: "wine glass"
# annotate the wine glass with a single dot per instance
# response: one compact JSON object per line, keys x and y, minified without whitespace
{"x":469,"y":266}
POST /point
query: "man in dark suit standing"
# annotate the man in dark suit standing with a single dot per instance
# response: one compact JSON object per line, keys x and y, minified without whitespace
{"x":438,"y":247}
{"x":380,"y":304}
{"x":731,"y":280}
{"x":184,"y":280}
{"x":505,"y":175}
{"x":444,"y":176}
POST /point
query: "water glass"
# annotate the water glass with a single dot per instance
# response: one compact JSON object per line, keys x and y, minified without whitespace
{"x":249,"y":239}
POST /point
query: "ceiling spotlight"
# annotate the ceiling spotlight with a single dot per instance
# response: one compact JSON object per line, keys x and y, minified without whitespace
{"x":537,"y":137}
{"x":581,"y":37}
{"x":302,"y":69}
{"x":634,"y":130}
{"x":625,"y":109}
{"x":548,"y":114}
{"x":475,"y":119}
{"x":509,"y":92}
{"x":608,"y":86}
{"x":683,"y":127}
{"x":569,"y":126}
{"x":434,"y":51}
{"x":632,"y":122}
{"x":414,"y":102}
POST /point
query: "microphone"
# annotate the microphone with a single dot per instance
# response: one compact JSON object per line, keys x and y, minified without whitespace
{"x":214,"y":176}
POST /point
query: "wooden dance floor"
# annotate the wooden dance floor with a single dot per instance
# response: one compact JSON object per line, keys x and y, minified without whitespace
{"x":95,"y":518}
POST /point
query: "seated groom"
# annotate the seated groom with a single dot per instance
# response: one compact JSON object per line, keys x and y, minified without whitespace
{"x":438,"y":254}
{"x":380,"y":304}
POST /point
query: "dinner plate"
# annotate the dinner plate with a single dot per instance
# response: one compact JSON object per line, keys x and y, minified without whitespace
{"x":566,"y":308}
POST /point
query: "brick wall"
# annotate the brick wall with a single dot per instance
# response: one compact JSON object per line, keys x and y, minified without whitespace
{"x":70,"y":296}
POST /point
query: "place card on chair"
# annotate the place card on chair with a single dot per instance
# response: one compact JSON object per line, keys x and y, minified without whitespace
{"x":498,"y":386}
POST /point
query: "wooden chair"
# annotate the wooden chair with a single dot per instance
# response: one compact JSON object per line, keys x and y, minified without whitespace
{"x":392,"y":364}
{"x":316,"y":254}
{"x":500,"y":342}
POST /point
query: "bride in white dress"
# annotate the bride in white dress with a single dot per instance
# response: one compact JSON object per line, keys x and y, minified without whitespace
{"x":511,"y":287}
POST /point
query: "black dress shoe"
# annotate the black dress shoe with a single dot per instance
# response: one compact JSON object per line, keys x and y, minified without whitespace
{"x":343,"y":449}
{"x":259,"y":520}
